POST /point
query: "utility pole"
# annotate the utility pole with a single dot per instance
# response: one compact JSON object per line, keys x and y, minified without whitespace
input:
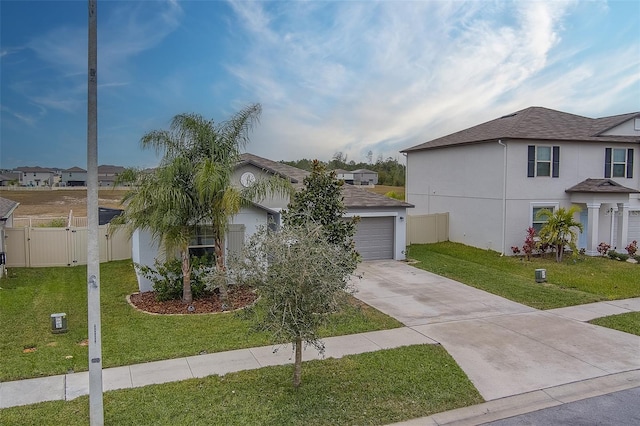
{"x":96,"y":408}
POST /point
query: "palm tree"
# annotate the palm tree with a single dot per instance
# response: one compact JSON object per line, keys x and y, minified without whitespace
{"x":165,"y":203}
{"x":559,"y":230}
{"x":193,"y":184}
{"x":221,"y":154}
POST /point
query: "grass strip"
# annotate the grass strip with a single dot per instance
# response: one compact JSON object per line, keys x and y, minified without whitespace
{"x":629,"y":323}
{"x":29,"y":296}
{"x":372,"y":388}
{"x":577,"y":280}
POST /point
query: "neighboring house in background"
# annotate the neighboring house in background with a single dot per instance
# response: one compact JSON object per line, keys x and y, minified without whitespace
{"x":10,"y":178}
{"x":357,"y":177}
{"x":35,"y":176}
{"x":381,"y":231}
{"x":74,"y":176}
{"x":493,"y":178}
{"x":7,"y":207}
{"x":107,"y":174}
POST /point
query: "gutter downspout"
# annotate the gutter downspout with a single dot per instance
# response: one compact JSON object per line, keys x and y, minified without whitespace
{"x":504,"y":195}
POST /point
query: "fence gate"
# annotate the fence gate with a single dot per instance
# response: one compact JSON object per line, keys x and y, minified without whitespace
{"x":40,"y":247}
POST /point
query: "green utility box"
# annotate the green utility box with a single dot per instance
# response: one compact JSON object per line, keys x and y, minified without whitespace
{"x":541,"y":275}
{"x":59,"y":323}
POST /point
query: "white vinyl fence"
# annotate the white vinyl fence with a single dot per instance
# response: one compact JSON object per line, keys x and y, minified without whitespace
{"x":428,"y":228}
{"x":39,"y":246}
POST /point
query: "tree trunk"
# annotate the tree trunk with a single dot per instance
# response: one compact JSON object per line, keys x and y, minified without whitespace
{"x":297,"y":365}
{"x":187,"y":297}
{"x":219,"y":251}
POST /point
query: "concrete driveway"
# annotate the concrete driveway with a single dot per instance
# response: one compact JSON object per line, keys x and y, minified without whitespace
{"x":504,"y":347}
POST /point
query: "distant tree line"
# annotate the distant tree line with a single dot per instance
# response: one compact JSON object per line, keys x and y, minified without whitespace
{"x":390,"y":171}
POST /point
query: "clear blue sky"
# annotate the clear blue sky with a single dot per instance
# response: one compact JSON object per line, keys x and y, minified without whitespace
{"x":349,"y":76}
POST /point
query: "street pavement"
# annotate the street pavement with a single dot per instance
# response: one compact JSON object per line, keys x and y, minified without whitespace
{"x":618,"y":408}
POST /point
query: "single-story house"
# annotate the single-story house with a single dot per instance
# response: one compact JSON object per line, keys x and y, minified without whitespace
{"x":493,"y":178}
{"x":381,"y":232}
{"x":7,"y":207}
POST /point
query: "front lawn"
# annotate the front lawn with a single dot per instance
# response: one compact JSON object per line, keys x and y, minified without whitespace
{"x":29,"y":296}
{"x":372,"y":388}
{"x":575,"y":281}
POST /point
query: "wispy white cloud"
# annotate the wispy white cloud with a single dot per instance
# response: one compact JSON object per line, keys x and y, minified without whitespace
{"x":391,"y":74}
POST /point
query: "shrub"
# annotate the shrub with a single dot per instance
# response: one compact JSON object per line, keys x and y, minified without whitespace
{"x":167,"y":277}
{"x":59,"y":222}
{"x":617,"y":256}
{"x":632,"y":248}
{"x":515,"y":249}
{"x":530,"y":244}
{"x":603,"y":248}
{"x":395,"y":195}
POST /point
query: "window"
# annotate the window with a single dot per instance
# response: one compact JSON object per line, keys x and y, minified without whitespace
{"x":202,"y":241}
{"x":618,"y":163}
{"x":543,"y":161}
{"x":537,"y":222}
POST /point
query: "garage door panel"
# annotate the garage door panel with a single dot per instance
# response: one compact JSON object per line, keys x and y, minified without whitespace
{"x":375,"y":238}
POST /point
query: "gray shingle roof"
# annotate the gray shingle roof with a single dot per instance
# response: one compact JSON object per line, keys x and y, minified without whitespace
{"x":74,"y":169}
{"x":536,"y":123}
{"x":7,"y":207}
{"x":601,"y":186}
{"x":353,"y":197}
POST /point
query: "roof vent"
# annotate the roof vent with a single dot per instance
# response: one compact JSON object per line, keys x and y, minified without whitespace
{"x":509,"y":115}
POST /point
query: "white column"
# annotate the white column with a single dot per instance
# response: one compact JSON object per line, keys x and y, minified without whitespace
{"x":623,"y":227}
{"x":593,"y":217}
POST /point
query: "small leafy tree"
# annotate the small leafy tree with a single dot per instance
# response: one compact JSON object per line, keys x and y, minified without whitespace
{"x":559,"y":231}
{"x":301,"y":277}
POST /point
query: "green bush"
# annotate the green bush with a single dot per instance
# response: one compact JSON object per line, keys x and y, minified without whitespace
{"x":395,"y":195}
{"x":167,"y":277}
{"x":617,"y":256}
{"x":59,"y":222}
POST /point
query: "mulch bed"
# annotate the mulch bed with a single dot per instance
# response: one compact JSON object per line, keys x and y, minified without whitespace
{"x":240,"y":297}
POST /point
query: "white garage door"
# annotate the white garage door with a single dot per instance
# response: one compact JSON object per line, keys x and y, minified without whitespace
{"x":374,"y":238}
{"x":634,"y":225}
{"x":633,"y":231}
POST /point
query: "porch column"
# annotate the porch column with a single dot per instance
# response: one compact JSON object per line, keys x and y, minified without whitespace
{"x":593,"y":217}
{"x":623,"y":227}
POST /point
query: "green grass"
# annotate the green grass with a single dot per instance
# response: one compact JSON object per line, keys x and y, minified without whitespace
{"x":373,"y":388}
{"x":629,"y":323}
{"x":575,"y":281}
{"x":30,"y":295}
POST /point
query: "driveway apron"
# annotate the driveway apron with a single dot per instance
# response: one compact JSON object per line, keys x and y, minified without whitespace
{"x":504,"y":347}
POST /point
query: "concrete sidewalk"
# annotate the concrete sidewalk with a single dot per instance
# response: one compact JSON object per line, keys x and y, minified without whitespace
{"x":70,"y":386}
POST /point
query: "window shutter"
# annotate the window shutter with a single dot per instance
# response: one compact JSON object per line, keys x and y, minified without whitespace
{"x":531,"y":161}
{"x":555,"y":170}
{"x":607,"y":162}
{"x":630,"y":163}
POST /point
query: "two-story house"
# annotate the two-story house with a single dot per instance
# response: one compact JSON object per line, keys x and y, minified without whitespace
{"x":493,"y":178}
{"x":107,"y":174}
{"x":357,"y":177}
{"x":75,"y":176}
{"x":35,"y":176}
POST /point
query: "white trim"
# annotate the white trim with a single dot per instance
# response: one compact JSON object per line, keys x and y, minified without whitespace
{"x":541,"y":204}
{"x":373,"y":214}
